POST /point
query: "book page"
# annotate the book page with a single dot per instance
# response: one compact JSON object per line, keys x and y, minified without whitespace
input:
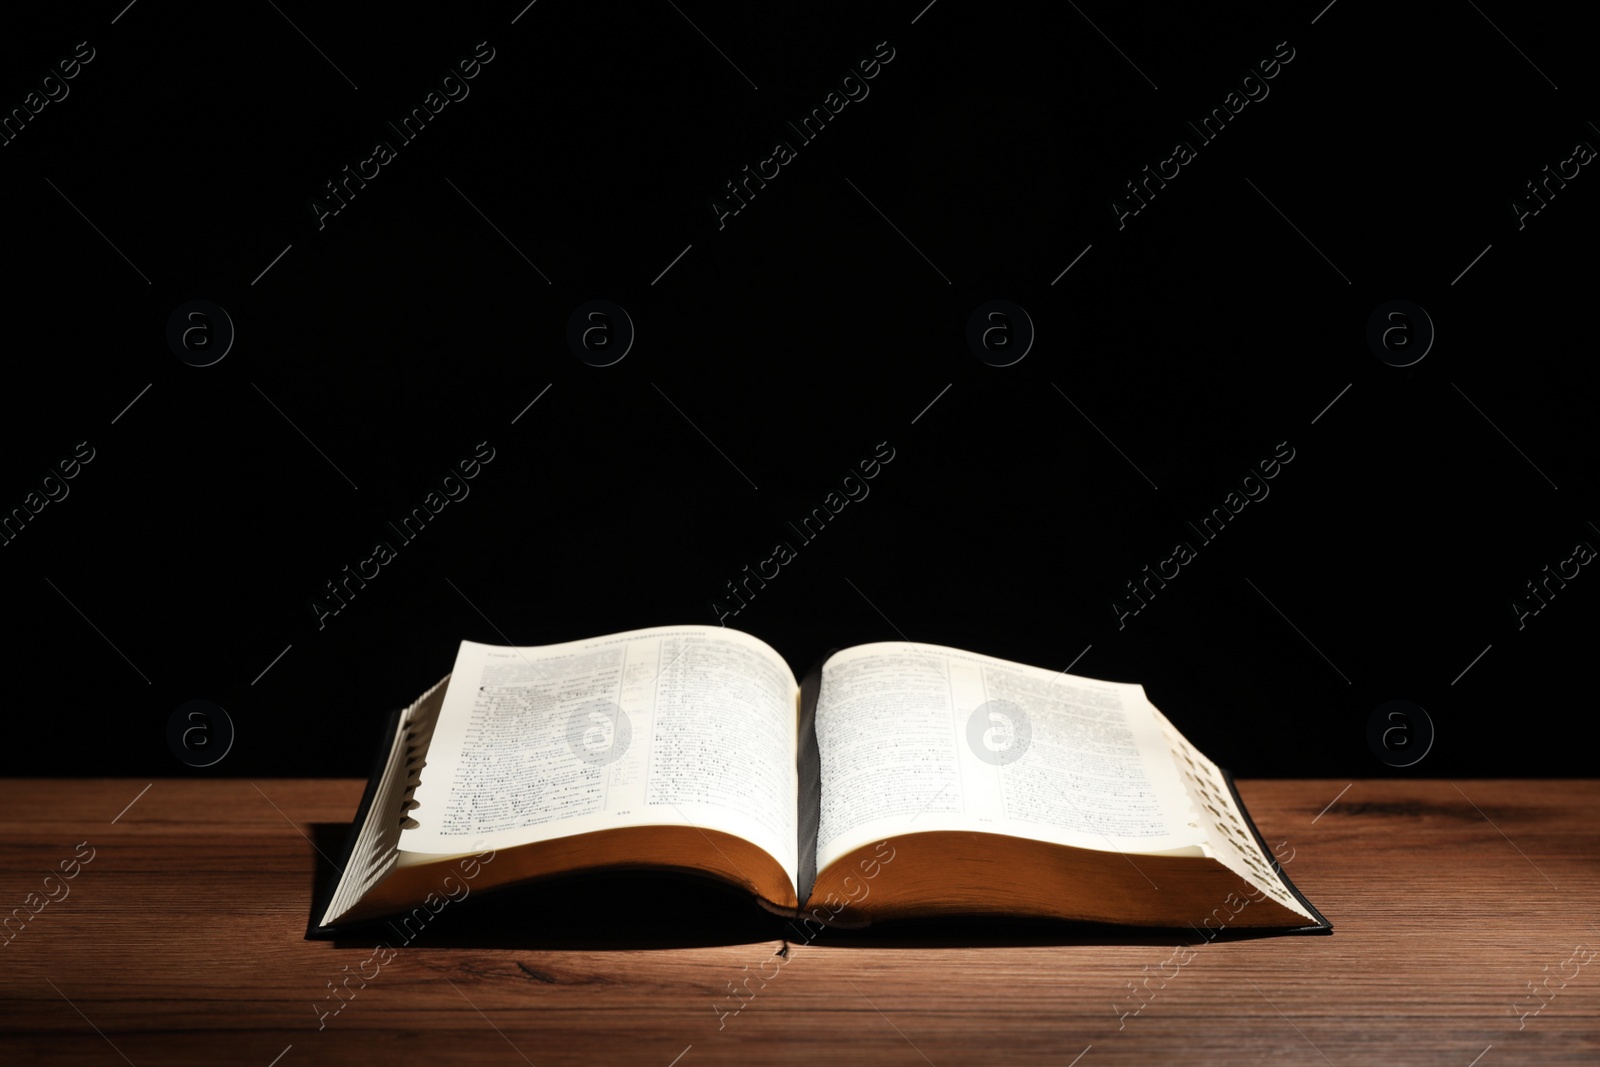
{"x":917,"y":737}
{"x":680,"y":725}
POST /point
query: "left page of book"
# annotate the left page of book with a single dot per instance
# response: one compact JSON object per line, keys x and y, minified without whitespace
{"x":675,"y":726}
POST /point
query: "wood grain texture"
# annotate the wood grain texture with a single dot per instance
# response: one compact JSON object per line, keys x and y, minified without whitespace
{"x":181,"y":942}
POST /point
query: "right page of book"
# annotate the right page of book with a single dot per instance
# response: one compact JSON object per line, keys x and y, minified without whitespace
{"x":917,"y":737}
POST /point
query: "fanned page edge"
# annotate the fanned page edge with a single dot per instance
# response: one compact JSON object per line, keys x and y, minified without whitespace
{"x":372,"y":848}
{"x":1263,"y":864}
{"x":1322,"y":925}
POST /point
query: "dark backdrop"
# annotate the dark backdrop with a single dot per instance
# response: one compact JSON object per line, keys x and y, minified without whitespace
{"x":1223,"y":323}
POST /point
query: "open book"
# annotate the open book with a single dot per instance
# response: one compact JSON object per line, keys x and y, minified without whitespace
{"x":900,"y":780}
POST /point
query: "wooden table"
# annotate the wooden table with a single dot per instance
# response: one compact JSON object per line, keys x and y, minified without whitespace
{"x":180,"y":941}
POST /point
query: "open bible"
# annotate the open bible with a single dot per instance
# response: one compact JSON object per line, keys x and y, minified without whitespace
{"x":897,"y":780}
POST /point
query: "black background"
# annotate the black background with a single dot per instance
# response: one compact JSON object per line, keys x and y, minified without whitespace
{"x":780,"y":349}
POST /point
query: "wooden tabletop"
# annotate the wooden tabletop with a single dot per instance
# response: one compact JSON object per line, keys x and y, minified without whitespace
{"x":179,"y":939}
